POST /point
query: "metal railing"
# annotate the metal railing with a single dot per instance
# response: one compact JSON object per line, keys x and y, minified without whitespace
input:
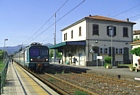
{"x":3,"y":74}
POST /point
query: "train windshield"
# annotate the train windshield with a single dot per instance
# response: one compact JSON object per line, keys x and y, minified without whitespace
{"x":38,"y":52}
{"x":43,"y":52}
{"x":34,"y":52}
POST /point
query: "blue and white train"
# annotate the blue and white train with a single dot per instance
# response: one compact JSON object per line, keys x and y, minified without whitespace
{"x":34,"y":57}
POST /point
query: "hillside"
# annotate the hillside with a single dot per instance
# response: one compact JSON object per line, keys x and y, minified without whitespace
{"x":13,"y":49}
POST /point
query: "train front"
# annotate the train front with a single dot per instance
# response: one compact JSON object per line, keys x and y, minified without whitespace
{"x":39,"y":58}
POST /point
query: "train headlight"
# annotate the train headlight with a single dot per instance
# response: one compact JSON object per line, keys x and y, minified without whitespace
{"x":46,"y":59}
{"x":31,"y":59}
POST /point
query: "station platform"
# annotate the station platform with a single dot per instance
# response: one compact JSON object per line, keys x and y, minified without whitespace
{"x":124,"y":72}
{"x":20,"y":83}
{"x":12,"y":85}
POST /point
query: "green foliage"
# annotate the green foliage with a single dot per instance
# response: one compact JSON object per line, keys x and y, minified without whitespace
{"x":51,"y":53}
{"x":135,"y":39}
{"x":108,"y":59}
{"x":1,"y":65}
{"x":51,"y":80}
{"x":1,"y":54}
{"x":136,"y":51}
{"x":63,"y":71}
{"x":58,"y":54}
{"x":78,"y":92}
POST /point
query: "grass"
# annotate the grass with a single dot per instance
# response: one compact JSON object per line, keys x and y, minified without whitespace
{"x":1,"y":65}
{"x":51,"y":80}
{"x":78,"y":92}
{"x":128,"y":65}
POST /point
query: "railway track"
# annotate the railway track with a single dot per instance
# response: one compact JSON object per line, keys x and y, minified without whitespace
{"x":90,"y":83}
{"x":59,"y":85}
{"x":103,"y":85}
{"x":64,"y":87}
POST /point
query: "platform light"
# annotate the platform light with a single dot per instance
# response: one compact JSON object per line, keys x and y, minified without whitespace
{"x":4,"y":49}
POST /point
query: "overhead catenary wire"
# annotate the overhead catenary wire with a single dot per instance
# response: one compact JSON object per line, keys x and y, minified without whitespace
{"x":115,"y":15}
{"x":58,"y":20}
{"x":127,"y":10}
{"x":72,"y":10}
{"x":135,"y":16}
{"x":46,"y":21}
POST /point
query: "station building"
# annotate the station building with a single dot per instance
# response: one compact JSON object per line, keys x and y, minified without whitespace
{"x":92,"y":38}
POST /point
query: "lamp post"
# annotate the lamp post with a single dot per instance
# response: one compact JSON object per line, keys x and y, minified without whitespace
{"x":111,"y":34}
{"x":4,"y":49}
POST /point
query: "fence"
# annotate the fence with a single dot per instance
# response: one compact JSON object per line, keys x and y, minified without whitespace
{"x":3,"y":75}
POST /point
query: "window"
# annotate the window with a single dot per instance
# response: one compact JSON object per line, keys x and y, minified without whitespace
{"x":43,"y":52}
{"x":105,"y":51}
{"x":34,"y":52}
{"x":72,"y":34}
{"x":120,"y":51}
{"x":125,"y":32}
{"x":101,"y":50}
{"x":65,"y":36}
{"x":80,"y":31}
{"x":116,"y":50}
{"x":95,"y":29}
{"x":111,"y":32}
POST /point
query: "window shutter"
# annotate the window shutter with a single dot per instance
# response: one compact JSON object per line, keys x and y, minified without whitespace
{"x":122,"y":50}
{"x":108,"y":30}
{"x":114,"y":31}
{"x":107,"y":50}
{"x":100,"y":50}
{"x":115,"y":50}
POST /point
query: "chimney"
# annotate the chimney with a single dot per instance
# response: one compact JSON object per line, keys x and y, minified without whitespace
{"x":90,"y":15}
{"x":127,"y":19}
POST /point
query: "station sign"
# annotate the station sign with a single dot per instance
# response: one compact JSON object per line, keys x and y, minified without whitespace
{"x":99,"y":57}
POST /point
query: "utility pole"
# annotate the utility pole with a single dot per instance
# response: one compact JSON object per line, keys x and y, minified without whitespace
{"x":111,"y":34}
{"x":55,"y":39}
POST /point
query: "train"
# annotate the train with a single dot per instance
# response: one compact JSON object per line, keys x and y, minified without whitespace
{"x":35,"y":57}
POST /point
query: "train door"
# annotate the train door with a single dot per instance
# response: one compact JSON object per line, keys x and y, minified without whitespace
{"x":25,"y":58}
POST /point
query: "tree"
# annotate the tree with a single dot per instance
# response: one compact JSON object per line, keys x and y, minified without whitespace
{"x":136,"y":51}
{"x":1,"y":54}
{"x":58,"y":54}
{"x":51,"y":53}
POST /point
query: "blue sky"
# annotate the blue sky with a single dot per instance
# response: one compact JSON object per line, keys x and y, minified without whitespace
{"x":20,"y":20}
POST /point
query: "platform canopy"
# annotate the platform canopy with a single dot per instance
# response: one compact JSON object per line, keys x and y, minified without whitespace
{"x":76,"y":43}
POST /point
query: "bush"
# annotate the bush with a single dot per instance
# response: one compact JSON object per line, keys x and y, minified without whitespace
{"x":108,"y":59}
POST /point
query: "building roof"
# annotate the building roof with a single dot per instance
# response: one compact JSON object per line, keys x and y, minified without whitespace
{"x":102,"y":18}
{"x":136,"y":32}
{"x":59,"y":45}
{"x":108,"y":19}
{"x":137,"y":42}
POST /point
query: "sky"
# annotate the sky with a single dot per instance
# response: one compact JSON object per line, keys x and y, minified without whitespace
{"x":27,"y":21}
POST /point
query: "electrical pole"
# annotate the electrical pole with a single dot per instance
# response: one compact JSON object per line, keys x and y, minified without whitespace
{"x":55,"y":39}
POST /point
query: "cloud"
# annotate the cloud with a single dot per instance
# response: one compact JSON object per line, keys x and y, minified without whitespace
{"x":137,"y":25}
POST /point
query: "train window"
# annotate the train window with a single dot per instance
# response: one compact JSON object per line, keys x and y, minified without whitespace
{"x":34,"y":52}
{"x":43,"y":52}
